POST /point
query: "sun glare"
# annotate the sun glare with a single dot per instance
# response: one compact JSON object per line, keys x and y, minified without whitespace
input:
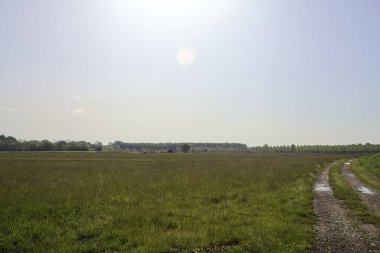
{"x":185,"y":56}
{"x":174,"y":5}
{"x":207,"y":10}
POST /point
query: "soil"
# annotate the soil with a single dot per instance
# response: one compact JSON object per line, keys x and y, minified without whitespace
{"x":368,"y":195}
{"x":335,"y":231}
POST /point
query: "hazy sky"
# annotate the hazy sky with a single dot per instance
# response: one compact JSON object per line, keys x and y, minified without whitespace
{"x":256,"y":72}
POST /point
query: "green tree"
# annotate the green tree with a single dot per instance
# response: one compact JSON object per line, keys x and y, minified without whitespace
{"x":185,"y":148}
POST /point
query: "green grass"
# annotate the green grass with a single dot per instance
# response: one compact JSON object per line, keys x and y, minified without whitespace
{"x":351,"y":199}
{"x":367,"y":169}
{"x":118,"y":202}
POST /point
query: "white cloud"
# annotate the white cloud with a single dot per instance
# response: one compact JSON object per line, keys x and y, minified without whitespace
{"x":12,"y":110}
{"x":2,"y":107}
{"x":78,"y":111}
{"x":77,"y":97}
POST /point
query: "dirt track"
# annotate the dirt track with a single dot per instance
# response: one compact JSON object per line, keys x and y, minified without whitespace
{"x":335,"y":231}
{"x":367,"y":194}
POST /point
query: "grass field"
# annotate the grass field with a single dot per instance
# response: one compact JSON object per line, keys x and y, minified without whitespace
{"x":118,"y":202}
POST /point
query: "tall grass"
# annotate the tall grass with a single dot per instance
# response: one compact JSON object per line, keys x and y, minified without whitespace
{"x":112,"y":202}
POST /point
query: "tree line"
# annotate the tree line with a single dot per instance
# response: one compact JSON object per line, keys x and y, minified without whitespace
{"x":353,"y":148}
{"x":178,"y":147}
{"x":10,"y":143}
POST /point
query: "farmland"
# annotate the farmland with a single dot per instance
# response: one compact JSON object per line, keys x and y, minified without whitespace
{"x":125,"y":202}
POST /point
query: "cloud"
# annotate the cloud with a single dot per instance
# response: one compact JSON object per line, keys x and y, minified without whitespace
{"x":77,"y":97}
{"x":12,"y":110}
{"x":78,"y":111}
{"x":2,"y":107}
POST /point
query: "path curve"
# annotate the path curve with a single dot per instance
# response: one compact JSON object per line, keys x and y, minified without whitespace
{"x":335,"y":231}
{"x":368,"y":195}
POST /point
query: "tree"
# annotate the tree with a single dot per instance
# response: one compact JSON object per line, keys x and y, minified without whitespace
{"x":185,"y":148}
{"x":60,"y":146}
{"x":45,"y":145}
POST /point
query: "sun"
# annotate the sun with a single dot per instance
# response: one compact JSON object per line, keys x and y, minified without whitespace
{"x":185,"y":56}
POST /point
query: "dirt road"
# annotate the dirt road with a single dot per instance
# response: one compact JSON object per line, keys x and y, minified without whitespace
{"x":368,"y":195}
{"x":335,"y":231}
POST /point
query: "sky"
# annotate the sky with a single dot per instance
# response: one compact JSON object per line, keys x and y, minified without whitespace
{"x":248,"y":71}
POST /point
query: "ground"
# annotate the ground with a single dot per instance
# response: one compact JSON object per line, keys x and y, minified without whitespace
{"x":123,"y":202}
{"x":120,"y":202}
{"x":336,"y":230}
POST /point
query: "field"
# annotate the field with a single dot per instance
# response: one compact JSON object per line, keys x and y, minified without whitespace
{"x":120,"y":202}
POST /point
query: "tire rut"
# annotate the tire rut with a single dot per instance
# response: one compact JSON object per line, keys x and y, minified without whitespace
{"x":368,"y":195}
{"x":335,"y":231}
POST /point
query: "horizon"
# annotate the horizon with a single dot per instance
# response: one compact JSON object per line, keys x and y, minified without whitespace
{"x":182,"y":142}
{"x":182,"y":71}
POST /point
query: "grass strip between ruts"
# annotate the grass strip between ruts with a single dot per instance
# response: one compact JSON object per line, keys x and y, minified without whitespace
{"x":351,"y":199}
